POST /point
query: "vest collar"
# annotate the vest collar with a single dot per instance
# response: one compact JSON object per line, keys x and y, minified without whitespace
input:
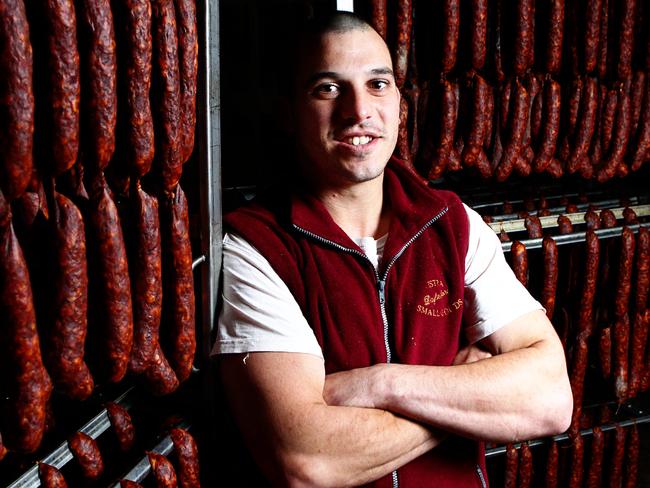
{"x":413,"y":206}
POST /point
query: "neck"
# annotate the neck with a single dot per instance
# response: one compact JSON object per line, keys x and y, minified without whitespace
{"x":359,"y":209}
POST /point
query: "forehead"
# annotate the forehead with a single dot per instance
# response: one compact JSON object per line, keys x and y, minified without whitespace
{"x":345,"y":53}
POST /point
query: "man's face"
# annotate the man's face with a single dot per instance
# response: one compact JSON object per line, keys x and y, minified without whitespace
{"x":346,"y":108}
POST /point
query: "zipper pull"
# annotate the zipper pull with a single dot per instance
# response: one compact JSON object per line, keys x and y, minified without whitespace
{"x":381,"y":284}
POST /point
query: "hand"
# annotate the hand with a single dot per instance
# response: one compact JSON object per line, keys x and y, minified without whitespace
{"x":352,"y":388}
{"x":471,"y":354}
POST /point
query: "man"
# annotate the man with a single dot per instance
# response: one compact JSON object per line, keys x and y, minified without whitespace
{"x":348,"y":302}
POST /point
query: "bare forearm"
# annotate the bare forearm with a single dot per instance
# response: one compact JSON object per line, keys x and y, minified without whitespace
{"x":299,"y":440}
{"x":494,"y":399}
{"x":348,"y":446}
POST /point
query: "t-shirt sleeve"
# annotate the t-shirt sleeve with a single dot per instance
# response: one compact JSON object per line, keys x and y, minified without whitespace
{"x":259,"y":313}
{"x":493,"y":295}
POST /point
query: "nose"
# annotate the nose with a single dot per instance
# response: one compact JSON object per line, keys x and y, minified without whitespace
{"x":355,"y":105}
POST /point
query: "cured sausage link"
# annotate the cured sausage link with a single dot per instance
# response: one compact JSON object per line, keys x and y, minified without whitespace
{"x":188,"y":47}
{"x":167,"y":137}
{"x":65,"y":347}
{"x":188,"y":458}
{"x":99,"y":97}
{"x":180,"y":292}
{"x":16,"y":99}
{"x":146,"y":277}
{"x":30,"y":387}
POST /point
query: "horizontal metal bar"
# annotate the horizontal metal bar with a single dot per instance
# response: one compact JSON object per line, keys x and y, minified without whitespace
{"x":561,"y":210}
{"x":495,"y":451}
{"x":62,"y":455}
{"x":574,"y":237}
{"x":518,"y":225}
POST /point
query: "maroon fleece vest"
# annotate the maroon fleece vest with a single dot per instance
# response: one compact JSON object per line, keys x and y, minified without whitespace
{"x":408,"y":312}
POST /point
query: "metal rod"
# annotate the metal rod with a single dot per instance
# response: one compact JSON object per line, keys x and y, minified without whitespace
{"x":574,"y":237}
{"x":549,"y":221}
{"x":62,"y":455}
{"x":199,"y":260}
{"x":495,"y":451}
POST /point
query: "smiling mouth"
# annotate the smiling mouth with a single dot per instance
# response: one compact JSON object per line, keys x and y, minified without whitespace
{"x":359,"y":140}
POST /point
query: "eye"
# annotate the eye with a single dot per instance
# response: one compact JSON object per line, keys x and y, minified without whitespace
{"x":379,"y":85}
{"x":326,"y":90}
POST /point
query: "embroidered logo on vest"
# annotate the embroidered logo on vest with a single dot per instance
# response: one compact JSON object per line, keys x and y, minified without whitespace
{"x":436,"y":291}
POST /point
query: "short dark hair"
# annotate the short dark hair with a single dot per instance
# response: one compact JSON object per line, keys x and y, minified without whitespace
{"x":311,"y":30}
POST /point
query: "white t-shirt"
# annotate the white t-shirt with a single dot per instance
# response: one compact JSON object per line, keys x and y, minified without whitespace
{"x":259,"y":313}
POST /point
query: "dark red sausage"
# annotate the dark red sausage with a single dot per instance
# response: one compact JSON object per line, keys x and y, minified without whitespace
{"x":519,"y":122}
{"x":111,"y":282}
{"x":637,"y":89}
{"x":618,"y":454}
{"x":499,"y":41}
{"x":450,"y":34}
{"x":603,"y":40}
{"x":65,"y":344}
{"x":524,"y":37}
{"x":160,"y":378}
{"x":163,"y":471}
{"x":16,"y":99}
{"x":167,"y":136}
{"x":555,"y":36}
{"x":520,"y":262}
{"x":564,"y":224}
{"x":404,"y":20}
{"x":122,"y":425}
{"x":577,"y":461}
{"x":620,"y":353}
{"x":577,"y":378}
{"x":29,"y":387}
{"x":619,"y":139}
{"x":525,"y":466}
{"x":624,"y":272}
{"x":146,"y":277}
{"x":639,"y":340}
{"x":99,"y":97}
{"x":129,"y":484}
{"x":533,"y":226}
{"x":549,"y":248}
{"x":512,"y":464}
{"x":605,"y":352}
{"x":632,"y":457}
{"x":642,"y":151}
{"x":642,"y":268}
{"x":3,"y":449}
{"x":179,"y":304}
{"x":552,"y":466}
{"x":607,"y":122}
{"x":592,"y":31}
{"x":447,"y":129}
{"x":479,"y":33}
{"x":50,"y":476}
{"x":86,"y":451}
{"x":139,"y":149}
{"x":592,"y":219}
{"x":473,"y":153}
{"x":586,"y":307}
{"x":403,"y":146}
{"x":596,"y":465}
{"x":378,"y":20}
{"x":607,"y":218}
{"x":188,"y":50}
{"x":188,"y":458}
{"x":64,"y":84}
{"x":586,"y":123}
{"x":626,"y":39}
{"x":629,"y":216}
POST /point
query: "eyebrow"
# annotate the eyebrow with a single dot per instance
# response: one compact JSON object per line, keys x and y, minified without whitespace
{"x":332,"y":74}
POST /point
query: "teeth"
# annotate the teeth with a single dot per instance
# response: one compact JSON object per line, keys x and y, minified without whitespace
{"x":356,"y":140}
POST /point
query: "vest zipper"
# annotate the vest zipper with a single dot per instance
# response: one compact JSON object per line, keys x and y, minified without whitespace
{"x":481,"y":476}
{"x":381,"y":286}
